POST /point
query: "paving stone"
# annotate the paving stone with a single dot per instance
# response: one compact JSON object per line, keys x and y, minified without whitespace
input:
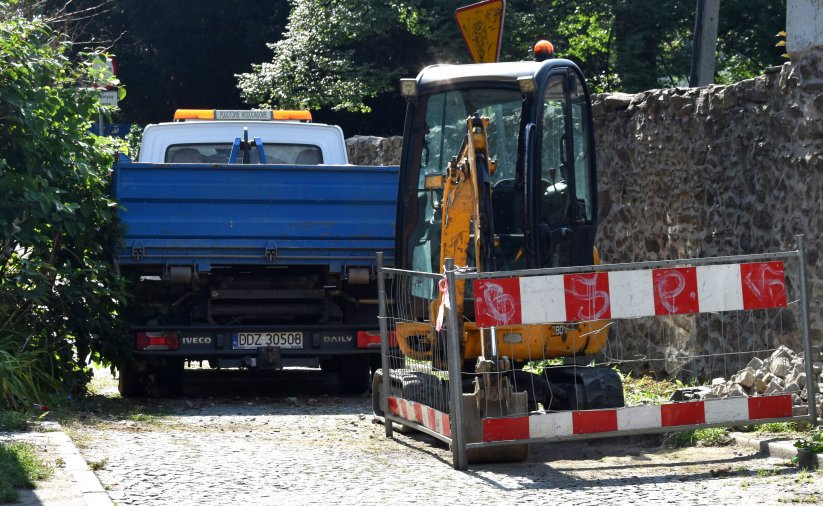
{"x":295,"y":452}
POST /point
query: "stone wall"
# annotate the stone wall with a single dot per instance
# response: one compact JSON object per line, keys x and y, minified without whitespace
{"x":369,"y":150}
{"x":720,"y":170}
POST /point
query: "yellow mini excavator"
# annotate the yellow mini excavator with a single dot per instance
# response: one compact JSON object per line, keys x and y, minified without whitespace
{"x":498,"y":173}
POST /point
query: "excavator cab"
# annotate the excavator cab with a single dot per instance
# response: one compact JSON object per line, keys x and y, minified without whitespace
{"x":542,"y":189}
{"x":534,"y":201}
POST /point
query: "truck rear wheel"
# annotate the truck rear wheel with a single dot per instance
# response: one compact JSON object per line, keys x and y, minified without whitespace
{"x":353,"y":374}
{"x":155,"y":377}
{"x":128,"y":380}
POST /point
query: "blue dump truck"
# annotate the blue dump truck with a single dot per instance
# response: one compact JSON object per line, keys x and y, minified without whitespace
{"x":250,"y":241}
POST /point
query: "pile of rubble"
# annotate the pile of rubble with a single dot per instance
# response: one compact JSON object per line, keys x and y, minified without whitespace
{"x":784,"y":372}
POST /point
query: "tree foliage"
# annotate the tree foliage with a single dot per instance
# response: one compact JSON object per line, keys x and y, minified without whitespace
{"x":358,"y":51}
{"x":344,"y":55}
{"x":355,"y":54}
{"x":59,"y":293}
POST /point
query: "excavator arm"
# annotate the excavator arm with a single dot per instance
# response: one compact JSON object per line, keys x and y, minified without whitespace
{"x":467,"y":218}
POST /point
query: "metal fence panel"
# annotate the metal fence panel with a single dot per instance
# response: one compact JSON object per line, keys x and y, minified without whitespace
{"x":594,"y":351}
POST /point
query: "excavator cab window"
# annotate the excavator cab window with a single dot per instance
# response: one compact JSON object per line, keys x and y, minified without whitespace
{"x":444,"y":130}
{"x":566,"y":192}
{"x":581,"y":136}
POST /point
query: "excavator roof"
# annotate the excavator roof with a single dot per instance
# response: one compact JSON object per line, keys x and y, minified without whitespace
{"x":508,"y":72}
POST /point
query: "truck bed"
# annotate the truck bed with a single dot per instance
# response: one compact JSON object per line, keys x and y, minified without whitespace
{"x":270,"y":215}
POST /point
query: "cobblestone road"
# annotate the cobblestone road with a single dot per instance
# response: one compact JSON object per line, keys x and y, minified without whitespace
{"x":316,"y":449}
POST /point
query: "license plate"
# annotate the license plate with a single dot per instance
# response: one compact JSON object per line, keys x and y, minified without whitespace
{"x":285,"y":340}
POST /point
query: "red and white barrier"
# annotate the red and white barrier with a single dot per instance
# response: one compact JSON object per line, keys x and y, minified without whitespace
{"x":629,"y":294}
{"x":676,"y":415}
{"x":426,"y":416}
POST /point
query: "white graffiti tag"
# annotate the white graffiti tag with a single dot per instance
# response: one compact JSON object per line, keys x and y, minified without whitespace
{"x":670,"y":285}
{"x":765,"y":283}
{"x":498,"y":303}
{"x":584,"y":289}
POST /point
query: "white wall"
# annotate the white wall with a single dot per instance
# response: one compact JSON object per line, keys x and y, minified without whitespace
{"x":804,"y":24}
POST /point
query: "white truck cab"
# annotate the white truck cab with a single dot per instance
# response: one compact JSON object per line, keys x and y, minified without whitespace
{"x":209,"y":136}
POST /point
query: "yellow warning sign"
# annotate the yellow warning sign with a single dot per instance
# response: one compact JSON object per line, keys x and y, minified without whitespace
{"x":482,"y":27}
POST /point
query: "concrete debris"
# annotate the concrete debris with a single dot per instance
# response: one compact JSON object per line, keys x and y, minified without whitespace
{"x":780,"y":367}
{"x":784,"y":372}
{"x":746,"y":377}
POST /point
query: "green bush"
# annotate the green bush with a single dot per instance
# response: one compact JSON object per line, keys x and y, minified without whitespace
{"x":59,"y":292}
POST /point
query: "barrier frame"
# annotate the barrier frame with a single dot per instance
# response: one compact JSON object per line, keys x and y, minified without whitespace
{"x":456,"y":435}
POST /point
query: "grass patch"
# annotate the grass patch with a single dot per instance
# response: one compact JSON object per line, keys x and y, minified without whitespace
{"x":13,"y":420}
{"x":19,"y":468}
{"x":777,"y":428}
{"x":714,"y":436}
{"x":96,"y":408}
{"x":647,"y":389}
{"x":146,"y":417}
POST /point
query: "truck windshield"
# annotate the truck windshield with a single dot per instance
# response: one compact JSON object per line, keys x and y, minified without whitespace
{"x":445,"y":128}
{"x":289,"y":154}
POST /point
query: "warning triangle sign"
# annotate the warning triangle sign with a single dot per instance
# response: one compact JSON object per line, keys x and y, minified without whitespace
{"x":482,"y":27}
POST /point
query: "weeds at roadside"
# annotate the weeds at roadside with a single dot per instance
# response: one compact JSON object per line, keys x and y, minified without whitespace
{"x":803,"y":499}
{"x":765,"y":472}
{"x":98,"y":465}
{"x":777,"y":428}
{"x":19,"y":468}
{"x":715,"y":436}
{"x":804,"y":477}
{"x":13,"y":420}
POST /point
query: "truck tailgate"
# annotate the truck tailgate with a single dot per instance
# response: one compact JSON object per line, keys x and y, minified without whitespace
{"x":206,"y":215}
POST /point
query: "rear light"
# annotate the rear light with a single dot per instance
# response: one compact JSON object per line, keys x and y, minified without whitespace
{"x":156,"y":341}
{"x":371,"y":339}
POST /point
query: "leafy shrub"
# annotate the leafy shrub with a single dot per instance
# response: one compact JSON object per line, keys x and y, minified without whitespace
{"x":812,"y":442}
{"x":59,"y":293}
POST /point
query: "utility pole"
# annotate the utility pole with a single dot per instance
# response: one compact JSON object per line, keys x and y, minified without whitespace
{"x":704,"y":45}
